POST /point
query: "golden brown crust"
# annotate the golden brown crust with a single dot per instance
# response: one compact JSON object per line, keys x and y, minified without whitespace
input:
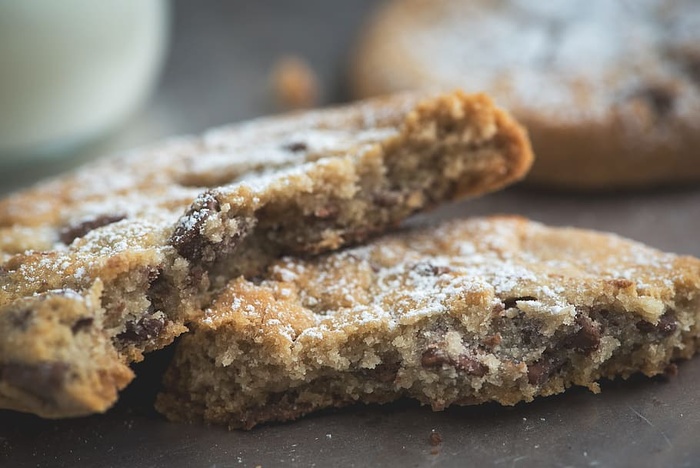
{"x":493,"y":309}
{"x":159,"y":230}
{"x":609,"y":92}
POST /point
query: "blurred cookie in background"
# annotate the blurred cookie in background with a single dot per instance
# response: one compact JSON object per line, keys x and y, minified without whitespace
{"x":294,"y":83}
{"x":609,"y":90}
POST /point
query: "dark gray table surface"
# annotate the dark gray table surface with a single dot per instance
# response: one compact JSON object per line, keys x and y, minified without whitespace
{"x":217,"y":73}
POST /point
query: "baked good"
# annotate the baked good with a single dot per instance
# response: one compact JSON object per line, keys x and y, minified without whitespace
{"x":105,"y":264}
{"x":489,"y":309}
{"x":609,"y":90}
{"x":294,"y":83}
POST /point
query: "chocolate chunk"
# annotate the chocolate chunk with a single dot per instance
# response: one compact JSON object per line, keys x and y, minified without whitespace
{"x":586,"y":339}
{"x":645,"y":327}
{"x":386,"y":372}
{"x":144,"y":329}
{"x":540,"y":371}
{"x":666,"y":325}
{"x":70,"y":233}
{"x":434,"y":357}
{"x":42,"y":380}
{"x":82,"y":324}
{"x":296,"y":146}
{"x":471,"y":366}
{"x":510,"y":303}
{"x":189,"y":241}
{"x":187,"y":238}
{"x":159,"y":290}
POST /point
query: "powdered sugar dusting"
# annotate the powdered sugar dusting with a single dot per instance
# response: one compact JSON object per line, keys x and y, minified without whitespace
{"x":479,"y":263}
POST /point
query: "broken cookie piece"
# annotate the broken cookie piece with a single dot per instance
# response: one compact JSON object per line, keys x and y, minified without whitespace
{"x":160,"y":230}
{"x":494,"y":309}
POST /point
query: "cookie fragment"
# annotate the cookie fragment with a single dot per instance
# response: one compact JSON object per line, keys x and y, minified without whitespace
{"x":162,"y":229}
{"x":493,"y":309}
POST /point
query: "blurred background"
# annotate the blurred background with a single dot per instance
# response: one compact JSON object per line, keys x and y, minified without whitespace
{"x":211,"y":62}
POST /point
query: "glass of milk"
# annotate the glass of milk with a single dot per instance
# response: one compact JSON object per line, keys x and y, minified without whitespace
{"x":72,"y":70}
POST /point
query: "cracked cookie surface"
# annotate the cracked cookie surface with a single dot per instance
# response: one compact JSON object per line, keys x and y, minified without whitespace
{"x":492,"y":309}
{"x":127,"y":250}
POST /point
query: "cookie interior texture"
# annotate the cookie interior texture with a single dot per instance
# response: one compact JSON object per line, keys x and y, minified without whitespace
{"x":609,"y":90}
{"x":493,"y":309}
{"x":126,"y":251}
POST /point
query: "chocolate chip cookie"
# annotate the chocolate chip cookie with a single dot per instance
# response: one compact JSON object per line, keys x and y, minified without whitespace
{"x":609,"y":90}
{"x":493,"y":309}
{"x":103,"y":265}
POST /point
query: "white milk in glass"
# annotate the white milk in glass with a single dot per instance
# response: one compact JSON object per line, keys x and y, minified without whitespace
{"x":71,"y":70}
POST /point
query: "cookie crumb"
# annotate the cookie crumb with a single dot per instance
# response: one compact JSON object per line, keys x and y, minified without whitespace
{"x":295,"y":84}
{"x":435,"y":438}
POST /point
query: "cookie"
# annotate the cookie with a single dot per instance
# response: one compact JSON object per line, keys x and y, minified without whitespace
{"x":490,"y":309}
{"x":103,"y":265}
{"x":609,"y":90}
{"x":294,"y":84}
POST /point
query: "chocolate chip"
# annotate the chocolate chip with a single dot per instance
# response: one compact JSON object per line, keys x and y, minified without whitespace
{"x":159,"y":289}
{"x":386,"y":372}
{"x":434,"y":357}
{"x":144,"y":329}
{"x":471,"y":366}
{"x":82,"y":324}
{"x":586,"y":339}
{"x":387,"y":198}
{"x":666,"y":325}
{"x":70,"y":233}
{"x":296,"y":146}
{"x":41,"y":380}
{"x":540,"y":371}
{"x":510,"y":303}
{"x":187,"y":238}
{"x":537,"y":373}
